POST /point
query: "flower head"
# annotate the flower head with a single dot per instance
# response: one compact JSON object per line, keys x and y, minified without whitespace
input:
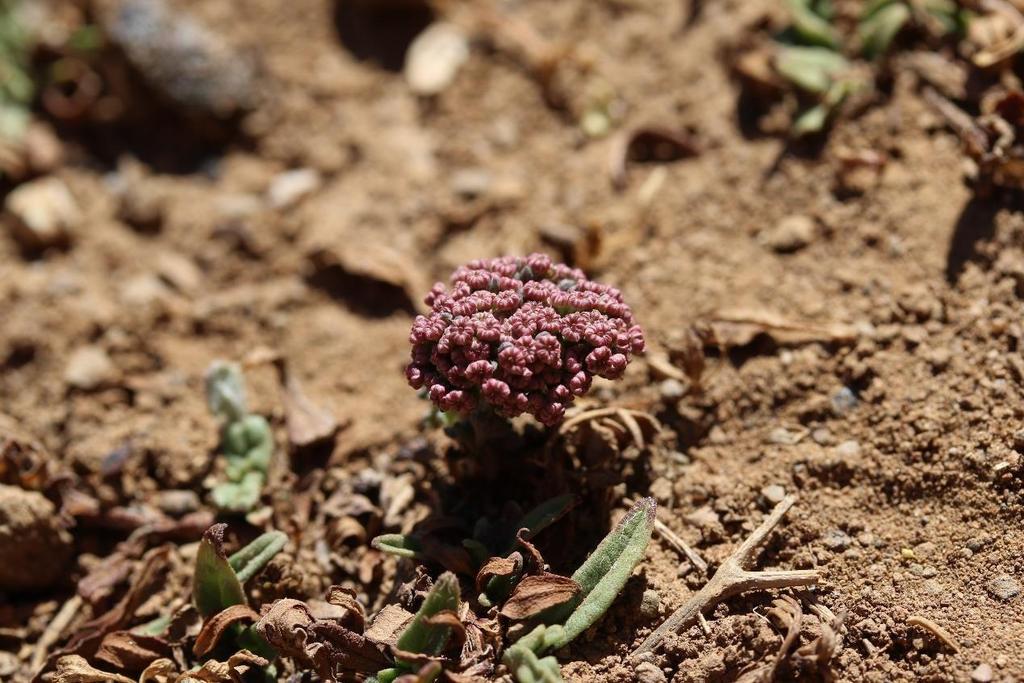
{"x":521,"y":334}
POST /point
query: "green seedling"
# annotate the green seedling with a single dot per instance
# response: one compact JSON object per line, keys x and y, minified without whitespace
{"x":601,"y":579}
{"x":882,"y":20}
{"x":425,"y":635}
{"x":16,"y":85}
{"x":217,"y":584}
{"x":489,"y":540}
{"x":246,"y":439}
{"x":812,"y":23}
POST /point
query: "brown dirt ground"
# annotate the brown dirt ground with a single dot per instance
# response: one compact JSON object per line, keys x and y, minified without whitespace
{"x":916,"y":518}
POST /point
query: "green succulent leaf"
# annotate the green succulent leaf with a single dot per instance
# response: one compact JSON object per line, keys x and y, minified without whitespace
{"x":225,"y":391}
{"x":527,"y":667}
{"x":812,"y":27}
{"x":540,"y":518}
{"x":253,"y":557}
{"x":878,"y":29}
{"x":215,"y":584}
{"x":423,"y":638}
{"x":606,"y":571}
{"x":812,"y":68}
{"x":398,"y":544}
{"x":240,"y":496}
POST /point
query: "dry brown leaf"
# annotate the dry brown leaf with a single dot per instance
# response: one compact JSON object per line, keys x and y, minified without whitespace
{"x":75,"y":669}
{"x":450,"y":619}
{"x":388,"y":624}
{"x":498,"y":566}
{"x":327,"y":647}
{"x":739,"y":328}
{"x":306,"y":422}
{"x":232,"y":671}
{"x":214,"y":627}
{"x":534,"y":594}
{"x":355,"y":613}
{"x":160,"y":671}
{"x":131,"y":652}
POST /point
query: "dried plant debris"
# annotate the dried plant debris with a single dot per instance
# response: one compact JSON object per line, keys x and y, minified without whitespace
{"x":731,"y":578}
{"x":994,"y":140}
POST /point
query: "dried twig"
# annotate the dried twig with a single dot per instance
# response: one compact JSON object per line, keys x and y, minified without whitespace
{"x":732,"y":579}
{"x":54,"y":630}
{"x":677,"y":543}
{"x":942,"y":634}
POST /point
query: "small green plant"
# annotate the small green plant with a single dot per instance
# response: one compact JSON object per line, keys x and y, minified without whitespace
{"x":428,"y":633}
{"x":246,"y":439}
{"x":218,"y":582}
{"x":489,"y":539}
{"x":16,"y":85}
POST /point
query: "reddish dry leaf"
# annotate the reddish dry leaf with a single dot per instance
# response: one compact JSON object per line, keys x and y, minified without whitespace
{"x":534,"y":594}
{"x":160,"y":671}
{"x":131,"y":652}
{"x":327,"y":647}
{"x":98,"y":584}
{"x":214,"y":627}
{"x":533,"y":561}
{"x":498,"y":566}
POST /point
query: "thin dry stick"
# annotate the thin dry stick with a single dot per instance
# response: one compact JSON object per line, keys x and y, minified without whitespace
{"x":676,"y":542}
{"x":54,"y":630}
{"x":942,"y":634}
{"x":732,"y":579}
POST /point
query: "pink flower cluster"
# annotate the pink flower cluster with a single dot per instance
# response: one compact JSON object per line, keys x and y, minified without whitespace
{"x":524,"y":335}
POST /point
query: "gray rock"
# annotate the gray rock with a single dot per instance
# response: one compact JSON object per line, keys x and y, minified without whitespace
{"x":1003,"y":587}
{"x":650,"y":604}
{"x":836,"y":540}
{"x":843,"y":401}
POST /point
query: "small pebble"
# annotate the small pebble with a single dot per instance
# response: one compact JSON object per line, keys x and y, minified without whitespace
{"x":671,"y":389}
{"x":177,"y":502}
{"x":43,"y":213}
{"x":1003,"y":587}
{"x":470,"y":183}
{"x":822,"y":436}
{"x":848,"y":449}
{"x":773,"y":493}
{"x":289,"y":187}
{"x":650,"y":604}
{"x":982,"y":673}
{"x":836,"y":540}
{"x":649,"y":673}
{"x":88,"y":368}
{"x":791,"y":234}
{"x":843,"y":401}
{"x":781,"y":436}
{"x":435,"y":57}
